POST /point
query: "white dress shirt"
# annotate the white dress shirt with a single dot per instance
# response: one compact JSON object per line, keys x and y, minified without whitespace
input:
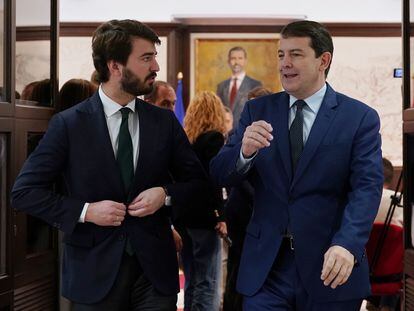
{"x":113,"y":121}
{"x":239,"y":77}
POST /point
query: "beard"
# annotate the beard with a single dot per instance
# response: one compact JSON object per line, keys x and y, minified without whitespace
{"x":237,"y":68}
{"x":133,"y":85}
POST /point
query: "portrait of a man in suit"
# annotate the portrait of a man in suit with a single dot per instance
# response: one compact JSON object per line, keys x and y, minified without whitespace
{"x":117,"y":156}
{"x":313,"y":157}
{"x":233,"y":91}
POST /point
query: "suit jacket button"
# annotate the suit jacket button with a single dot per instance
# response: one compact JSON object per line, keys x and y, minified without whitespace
{"x":121,"y":237}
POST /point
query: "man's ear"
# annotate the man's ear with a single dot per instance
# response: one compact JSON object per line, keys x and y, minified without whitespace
{"x":114,"y":68}
{"x":326,"y":59}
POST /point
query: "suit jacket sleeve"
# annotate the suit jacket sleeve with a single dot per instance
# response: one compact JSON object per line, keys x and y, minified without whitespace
{"x":33,"y":189}
{"x":366,"y":180}
{"x":189,"y":177}
{"x":223,"y":168}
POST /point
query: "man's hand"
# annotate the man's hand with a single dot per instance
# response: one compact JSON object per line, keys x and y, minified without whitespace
{"x":177,"y":240}
{"x":337,"y":266}
{"x":256,"y":136}
{"x":105,"y":213}
{"x":147,"y":202}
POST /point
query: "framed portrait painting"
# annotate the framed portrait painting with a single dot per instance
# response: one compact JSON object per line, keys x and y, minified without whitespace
{"x":209,"y":63}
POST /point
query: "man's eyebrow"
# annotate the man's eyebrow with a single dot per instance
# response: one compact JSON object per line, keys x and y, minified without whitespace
{"x":292,"y":50}
{"x":149,"y":54}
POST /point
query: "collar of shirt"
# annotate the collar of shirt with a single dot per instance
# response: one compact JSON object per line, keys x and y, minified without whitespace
{"x":314,"y":101}
{"x":239,"y":77}
{"x":110,"y":106}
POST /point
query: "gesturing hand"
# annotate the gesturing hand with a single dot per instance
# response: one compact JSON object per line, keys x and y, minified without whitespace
{"x":337,"y":266}
{"x":147,"y":202}
{"x":106,"y":213}
{"x":256,"y":136}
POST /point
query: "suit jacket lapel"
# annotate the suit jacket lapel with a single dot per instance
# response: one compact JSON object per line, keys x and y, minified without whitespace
{"x":226,"y":92}
{"x":280,"y":126}
{"x":148,"y":131}
{"x":99,"y":132}
{"x":319,"y":129}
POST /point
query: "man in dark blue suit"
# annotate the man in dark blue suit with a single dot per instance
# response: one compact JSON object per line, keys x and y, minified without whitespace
{"x":313,"y":157}
{"x":116,"y":154}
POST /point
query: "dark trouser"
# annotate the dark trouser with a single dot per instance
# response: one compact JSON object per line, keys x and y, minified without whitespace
{"x":131,"y":291}
{"x":283,"y":290}
{"x":233,"y":301}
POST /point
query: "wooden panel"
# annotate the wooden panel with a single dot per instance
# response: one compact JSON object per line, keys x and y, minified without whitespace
{"x":408,"y":114}
{"x":38,"y":295}
{"x":80,"y":29}
{"x":408,"y":127}
{"x":6,"y":300}
{"x":33,"y":112}
{"x":71,"y":29}
{"x":32,"y":33}
{"x":408,"y":304}
{"x":409,"y":263}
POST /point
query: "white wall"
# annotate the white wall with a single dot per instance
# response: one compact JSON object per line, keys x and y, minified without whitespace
{"x":75,"y":59}
{"x":162,"y":10}
{"x":362,"y":68}
{"x":36,"y":15}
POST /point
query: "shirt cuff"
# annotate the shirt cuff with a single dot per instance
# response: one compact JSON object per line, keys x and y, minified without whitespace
{"x":83,"y":214}
{"x":243,"y":164}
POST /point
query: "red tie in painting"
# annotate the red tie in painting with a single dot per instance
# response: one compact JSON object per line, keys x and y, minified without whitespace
{"x":233,"y":93}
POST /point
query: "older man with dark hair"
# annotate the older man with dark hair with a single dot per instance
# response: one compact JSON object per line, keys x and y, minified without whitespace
{"x":313,"y":157}
{"x":162,"y":95}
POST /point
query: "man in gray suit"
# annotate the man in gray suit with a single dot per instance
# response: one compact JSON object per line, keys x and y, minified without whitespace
{"x":233,"y":91}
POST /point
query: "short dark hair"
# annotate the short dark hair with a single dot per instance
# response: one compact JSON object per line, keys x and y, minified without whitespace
{"x":42,"y":93}
{"x":153,"y":96}
{"x":113,"y":41}
{"x":237,"y":48}
{"x":388,"y":170}
{"x":73,"y":92}
{"x":321,"y":39}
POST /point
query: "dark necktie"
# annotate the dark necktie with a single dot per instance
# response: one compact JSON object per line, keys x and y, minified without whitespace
{"x":233,"y":93}
{"x":125,"y":152}
{"x":296,"y":134}
{"x":125,"y":161}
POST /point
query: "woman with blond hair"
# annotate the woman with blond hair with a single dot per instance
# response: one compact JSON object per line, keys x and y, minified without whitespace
{"x":201,"y":225}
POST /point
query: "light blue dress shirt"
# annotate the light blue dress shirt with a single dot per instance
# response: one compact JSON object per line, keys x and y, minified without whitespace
{"x":310,"y":111}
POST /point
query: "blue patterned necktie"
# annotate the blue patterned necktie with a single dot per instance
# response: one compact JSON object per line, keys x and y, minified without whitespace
{"x":296,"y":134}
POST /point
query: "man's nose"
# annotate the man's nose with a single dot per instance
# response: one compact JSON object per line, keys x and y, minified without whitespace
{"x":155,"y":67}
{"x":285,"y":62}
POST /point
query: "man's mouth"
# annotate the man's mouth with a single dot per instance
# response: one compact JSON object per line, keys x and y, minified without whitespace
{"x":151,"y":77}
{"x":289,"y":75}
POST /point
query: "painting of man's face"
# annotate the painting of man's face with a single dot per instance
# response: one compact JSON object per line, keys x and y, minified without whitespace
{"x":212,"y":61}
{"x":237,"y":61}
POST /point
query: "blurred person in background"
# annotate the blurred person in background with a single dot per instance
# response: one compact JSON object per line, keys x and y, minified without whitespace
{"x":202,"y":226}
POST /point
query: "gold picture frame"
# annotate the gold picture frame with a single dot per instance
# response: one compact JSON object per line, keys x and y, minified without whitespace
{"x":211,"y":67}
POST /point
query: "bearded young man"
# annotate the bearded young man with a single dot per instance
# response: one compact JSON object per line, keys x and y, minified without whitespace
{"x":119,"y":250}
